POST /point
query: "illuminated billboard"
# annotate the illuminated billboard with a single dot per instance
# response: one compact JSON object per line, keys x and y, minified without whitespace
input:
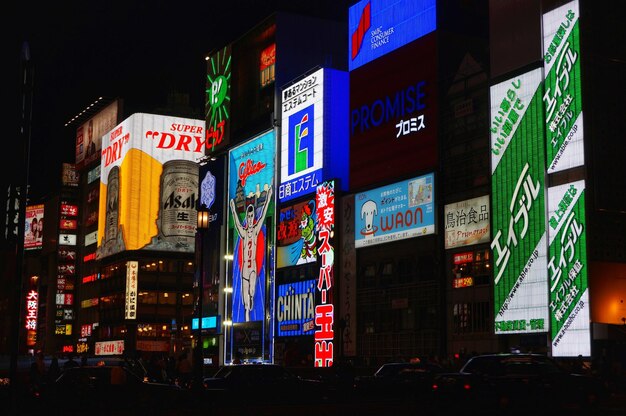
{"x":393,"y":115}
{"x":217,"y":106}
{"x":32,"y":311}
{"x":562,"y":98}
{"x":377,"y":27}
{"x":89,"y":134}
{"x":467,"y":222}
{"x":518,"y":205}
{"x":314,"y":138}
{"x":567,"y":269}
{"x":251,"y":203}
{"x":296,"y":242}
{"x":295,"y":308}
{"x":130,"y":308}
{"x":33,"y":230}
{"x":149,"y":184}
{"x":69,"y":175}
{"x":323,"y":351}
{"x":395,"y":212}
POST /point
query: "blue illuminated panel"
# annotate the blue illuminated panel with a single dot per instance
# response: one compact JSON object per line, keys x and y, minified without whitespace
{"x":377,"y":27}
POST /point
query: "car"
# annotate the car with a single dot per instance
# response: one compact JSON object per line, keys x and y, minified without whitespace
{"x":399,"y":381}
{"x":516,"y":382}
{"x":109,"y":388}
{"x":261,"y":384}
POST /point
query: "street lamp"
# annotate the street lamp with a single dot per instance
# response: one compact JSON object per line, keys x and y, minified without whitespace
{"x":201,"y":228}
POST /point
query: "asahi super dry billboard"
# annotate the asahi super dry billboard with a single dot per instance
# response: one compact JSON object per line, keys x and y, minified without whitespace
{"x":149,"y":184}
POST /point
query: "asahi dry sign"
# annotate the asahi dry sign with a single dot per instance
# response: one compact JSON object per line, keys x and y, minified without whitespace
{"x":149,"y":184}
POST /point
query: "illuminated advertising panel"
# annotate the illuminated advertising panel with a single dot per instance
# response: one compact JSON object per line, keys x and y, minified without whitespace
{"x":295,"y":308}
{"x":66,"y":254}
{"x":33,"y":230}
{"x":296,"y":242}
{"x":314,"y":140}
{"x":323,"y":354}
{"x":66,"y":224}
{"x":208,"y":322}
{"x":377,"y":27}
{"x":93,"y":175}
{"x":32,"y":308}
{"x":562,"y":98}
{"x":393,"y":115}
{"x":567,"y":269}
{"x":69,"y":176}
{"x":89,"y":134}
{"x":149,"y":184}
{"x":467,"y":222}
{"x":518,"y":206}
{"x":302,"y":139}
{"x":395,"y":212}
{"x":109,"y":347}
{"x":67,"y":239}
{"x":217,"y":108}
{"x":130,"y":309}
{"x":69,"y":210}
{"x":250,"y":195}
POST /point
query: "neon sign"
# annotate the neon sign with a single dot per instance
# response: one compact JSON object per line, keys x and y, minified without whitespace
{"x":325,"y":312}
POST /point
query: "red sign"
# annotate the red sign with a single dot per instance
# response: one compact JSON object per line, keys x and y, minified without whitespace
{"x":324,"y":312}
{"x":66,"y":224}
{"x":462,"y":258}
{"x":69,"y":210}
{"x":268,"y":57}
{"x":32,"y":306}
{"x":463,"y":282}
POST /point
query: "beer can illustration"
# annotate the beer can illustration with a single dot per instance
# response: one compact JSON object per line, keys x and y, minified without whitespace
{"x":112,"y":207}
{"x":179,"y":193}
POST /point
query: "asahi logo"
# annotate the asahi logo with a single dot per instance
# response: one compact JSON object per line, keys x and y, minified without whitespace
{"x":176,"y":200}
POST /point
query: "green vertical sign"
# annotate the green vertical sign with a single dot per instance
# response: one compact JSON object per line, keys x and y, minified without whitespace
{"x":567,"y":269}
{"x":562,"y":97}
{"x":518,"y":197}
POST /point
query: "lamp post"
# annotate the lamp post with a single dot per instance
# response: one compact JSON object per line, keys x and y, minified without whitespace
{"x":201,"y":228}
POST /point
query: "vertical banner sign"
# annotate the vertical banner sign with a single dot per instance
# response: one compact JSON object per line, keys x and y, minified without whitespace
{"x":567,"y":269}
{"x":302,"y":137}
{"x":347,"y":306}
{"x":296,"y":240}
{"x":518,"y":211}
{"x":217,"y":107}
{"x":324,"y":312}
{"x":250,"y":192}
{"x":32,"y":307}
{"x":131,"y":290}
{"x":33,"y":229}
{"x":562,"y":97}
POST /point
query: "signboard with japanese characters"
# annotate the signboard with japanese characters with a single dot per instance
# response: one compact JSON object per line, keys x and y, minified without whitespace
{"x":295,"y":237}
{"x":395,"y":212}
{"x":324,"y":335}
{"x":567,"y":269}
{"x":518,"y":219}
{"x":562,"y":97}
{"x":314,"y":138}
{"x":467,"y":222}
{"x":109,"y":347}
{"x":131,"y":290}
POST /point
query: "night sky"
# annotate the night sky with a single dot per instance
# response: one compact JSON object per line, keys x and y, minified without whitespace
{"x":137,"y":51}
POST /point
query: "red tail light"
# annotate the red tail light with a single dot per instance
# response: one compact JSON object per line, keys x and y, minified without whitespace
{"x":467,"y":386}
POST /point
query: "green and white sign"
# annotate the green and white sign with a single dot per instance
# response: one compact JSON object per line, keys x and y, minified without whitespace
{"x":519,"y":242}
{"x":567,"y":269}
{"x":562,"y":97}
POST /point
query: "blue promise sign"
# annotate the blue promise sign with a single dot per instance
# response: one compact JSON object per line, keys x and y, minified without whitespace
{"x":377,"y":27}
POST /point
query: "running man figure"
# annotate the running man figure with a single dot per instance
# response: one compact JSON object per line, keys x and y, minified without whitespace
{"x":249,"y":234}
